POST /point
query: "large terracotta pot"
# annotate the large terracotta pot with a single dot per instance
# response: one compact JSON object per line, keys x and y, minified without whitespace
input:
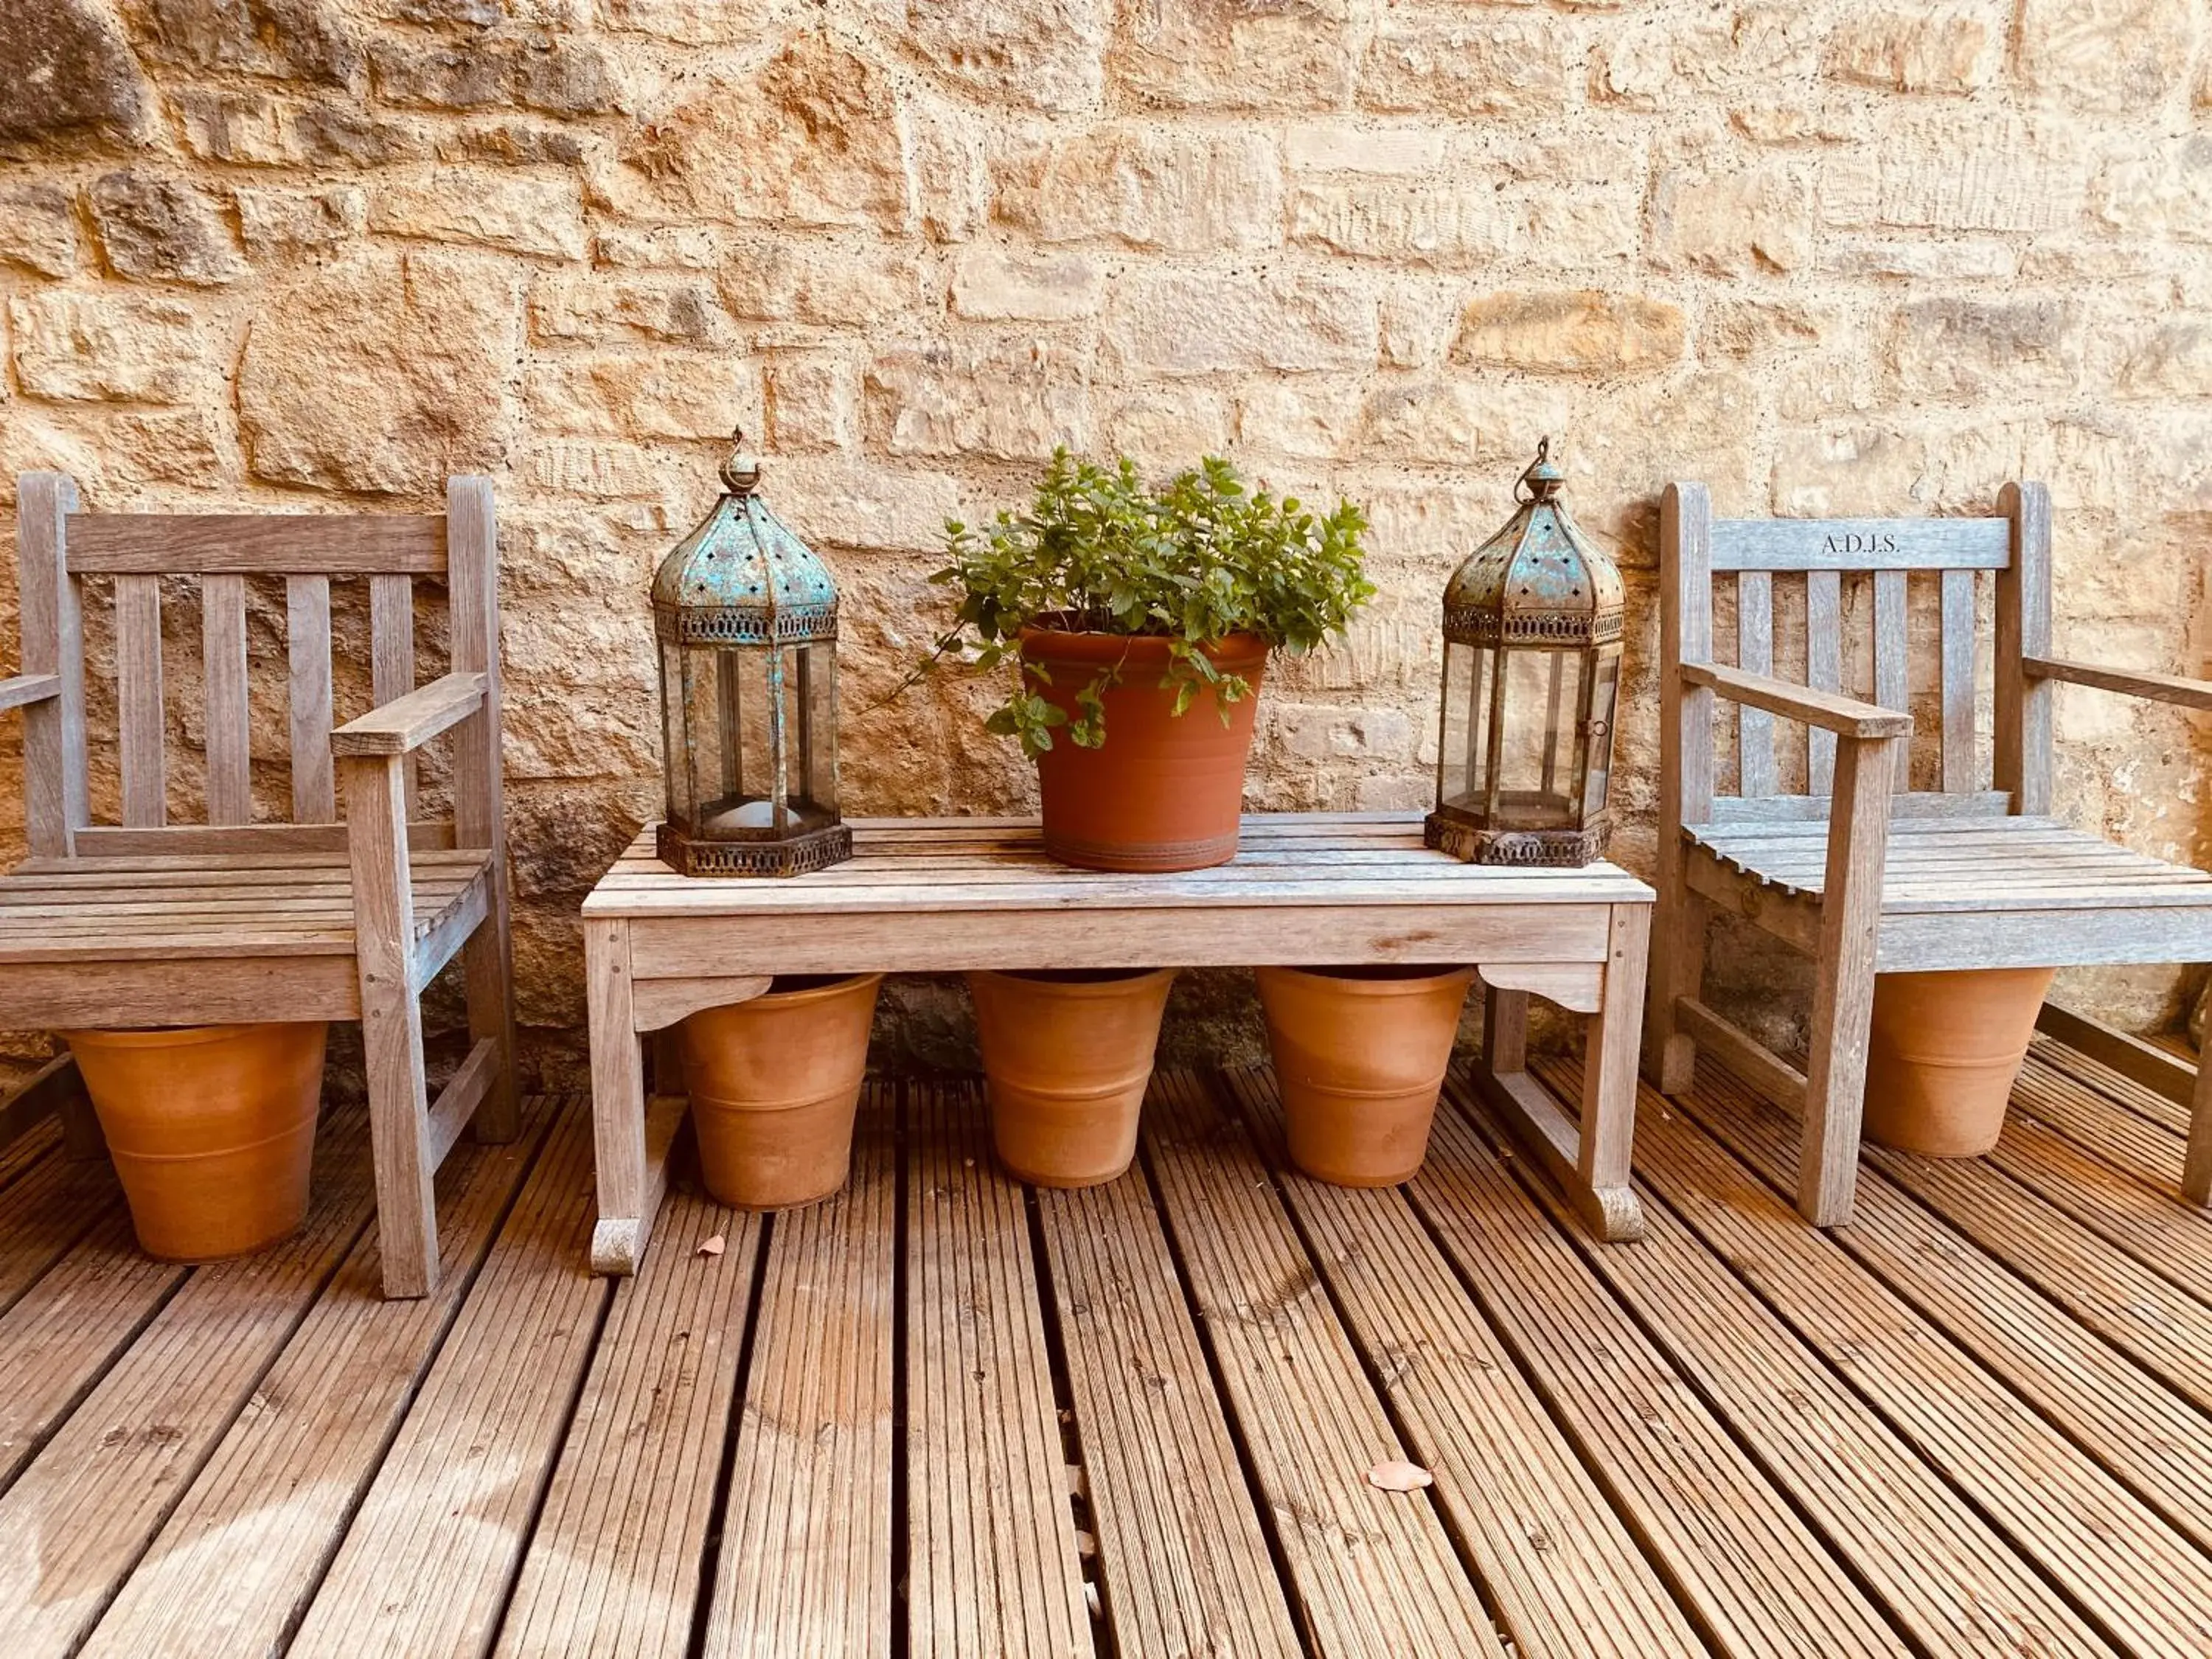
{"x":1360,"y":1054}
{"x":1943,"y":1055}
{"x":212,"y":1129}
{"x":775,"y":1084}
{"x":1164,"y":790}
{"x":1067,"y":1056}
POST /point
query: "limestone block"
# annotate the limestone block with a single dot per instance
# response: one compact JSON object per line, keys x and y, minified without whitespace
{"x":1915,"y":49}
{"x":1953,"y":260}
{"x":1346,"y":146}
{"x":69,"y":72}
{"x":835,"y":501}
{"x":1846,"y":470}
{"x":693,"y":22}
{"x":2171,"y":358}
{"x":811,"y":403}
{"x":1989,"y":176}
{"x":1048,"y":53}
{"x":1420,"y":320}
{"x":663,"y":394}
{"x":245,"y":128}
{"x":1959,"y":348}
{"x":2118,"y":55}
{"x":568,"y":78}
{"x":1560,"y":332}
{"x":1009,"y":400}
{"x":1454,"y":220}
{"x":279,"y":223}
{"x":475,"y":75}
{"x":995,"y":284}
{"x":816,"y":137}
{"x":1175,"y":323}
{"x":38,"y":229}
{"x":950,"y":176}
{"x":381,"y":373}
{"x":96,"y":346}
{"x":1230,"y":54}
{"x":1166,"y":429}
{"x":2159,"y":189}
{"x":1463,"y":63}
{"x":1312,"y":418}
{"x":518,"y":213}
{"x":160,"y":228}
{"x":339,"y":134}
{"x":1186,"y":192}
{"x":823,"y":279}
{"x":686,"y":247}
{"x":178,"y":446}
{"x":1450,"y":421}
{"x":594,"y":306}
{"x":514,"y":143}
{"x":1733,"y":224}
{"x":302,"y":40}
{"x":595,"y":469}
{"x":1757,"y":328}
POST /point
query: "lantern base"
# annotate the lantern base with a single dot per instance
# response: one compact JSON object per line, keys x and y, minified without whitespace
{"x":1547,"y":848}
{"x":796,"y":855}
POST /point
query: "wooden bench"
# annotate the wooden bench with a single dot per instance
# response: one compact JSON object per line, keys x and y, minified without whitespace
{"x":147,"y":921}
{"x":1848,"y":861}
{"x":939,"y":895}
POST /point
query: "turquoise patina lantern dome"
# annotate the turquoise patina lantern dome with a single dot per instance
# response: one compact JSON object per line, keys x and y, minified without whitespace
{"x":746,"y":619}
{"x":1533,"y":623}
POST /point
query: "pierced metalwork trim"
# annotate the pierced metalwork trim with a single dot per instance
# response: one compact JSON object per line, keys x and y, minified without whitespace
{"x":818,"y":849}
{"x":745,"y":625}
{"x":1472,"y":626}
{"x":1564,"y":849}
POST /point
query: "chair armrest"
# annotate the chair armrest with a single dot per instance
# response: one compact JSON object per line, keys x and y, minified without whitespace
{"x":2160,"y":688}
{"x":405,"y":724}
{"x":28,"y":688}
{"x":1846,"y":717}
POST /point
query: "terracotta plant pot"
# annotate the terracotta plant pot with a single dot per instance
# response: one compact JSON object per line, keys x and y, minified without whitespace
{"x":1360,"y":1054}
{"x":1164,"y":790}
{"x":1067,"y":1056}
{"x":775,"y":1084}
{"x":212,"y":1129}
{"x":1943,"y":1055}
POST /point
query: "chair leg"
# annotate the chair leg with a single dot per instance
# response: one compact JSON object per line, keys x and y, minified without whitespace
{"x":1677,"y":970}
{"x":487,"y":968}
{"x":399,"y":1135}
{"x":2196,"y":1168}
{"x":1835,"y":1089}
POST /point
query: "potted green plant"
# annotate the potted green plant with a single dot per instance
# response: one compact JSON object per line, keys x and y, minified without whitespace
{"x":1142,"y":619}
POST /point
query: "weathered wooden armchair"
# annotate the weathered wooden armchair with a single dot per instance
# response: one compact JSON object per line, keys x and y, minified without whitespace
{"x":148,"y":923}
{"x":1861,"y":871}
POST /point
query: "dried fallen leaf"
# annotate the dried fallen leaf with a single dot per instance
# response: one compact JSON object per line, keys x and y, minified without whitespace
{"x":1398,"y":1475}
{"x":714,"y":1246}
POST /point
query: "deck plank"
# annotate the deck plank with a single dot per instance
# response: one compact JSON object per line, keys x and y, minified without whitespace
{"x":1943,"y":1573}
{"x":614,"y":1565}
{"x":231,"y":1569}
{"x":2058,"y":1500}
{"x":1375,"y":1572}
{"x":1749,"y":1571}
{"x":1567,"y":1574}
{"x":994,"y":1563}
{"x":426,"y":1565}
{"x":2173,"y":1239}
{"x":804,"y":1563}
{"x":55,"y":1202}
{"x":1182,"y":1554}
{"x":77,"y":1519}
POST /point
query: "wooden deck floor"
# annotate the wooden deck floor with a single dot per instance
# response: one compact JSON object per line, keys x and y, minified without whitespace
{"x":943,"y":1416}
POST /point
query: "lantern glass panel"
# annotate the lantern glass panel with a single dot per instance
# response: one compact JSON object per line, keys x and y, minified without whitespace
{"x":1540,"y":702}
{"x":1604,"y":691}
{"x":816,"y":700}
{"x":676,"y":747}
{"x":1463,"y":746}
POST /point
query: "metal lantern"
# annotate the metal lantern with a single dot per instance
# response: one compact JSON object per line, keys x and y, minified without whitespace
{"x":746,"y":620}
{"x":1532,"y":668}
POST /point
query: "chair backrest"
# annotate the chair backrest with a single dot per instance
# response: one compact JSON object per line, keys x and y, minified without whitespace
{"x":66,"y":556}
{"x":1885,"y":571}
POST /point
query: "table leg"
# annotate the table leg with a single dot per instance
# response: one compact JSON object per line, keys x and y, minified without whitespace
{"x":1588,"y":1160}
{"x":631,"y":1177}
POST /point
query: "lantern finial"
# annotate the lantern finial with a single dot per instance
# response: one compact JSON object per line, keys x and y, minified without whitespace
{"x":1543,"y":476}
{"x":741,"y":468}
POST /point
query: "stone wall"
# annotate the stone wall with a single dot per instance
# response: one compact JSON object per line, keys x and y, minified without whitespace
{"x":307,"y":254}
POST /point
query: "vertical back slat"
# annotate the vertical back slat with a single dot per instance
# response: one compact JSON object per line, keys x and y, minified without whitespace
{"x":1686,"y":519}
{"x":1958,"y":671}
{"x":307,"y":625}
{"x":2023,"y":733}
{"x":138,"y":700}
{"x":392,"y":649}
{"x":1823,"y":668}
{"x":54,"y":795}
{"x":222,"y":651}
{"x":1754,"y":654}
{"x":1892,"y":681}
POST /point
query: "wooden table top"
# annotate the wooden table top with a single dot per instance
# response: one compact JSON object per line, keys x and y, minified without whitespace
{"x":982,"y":864}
